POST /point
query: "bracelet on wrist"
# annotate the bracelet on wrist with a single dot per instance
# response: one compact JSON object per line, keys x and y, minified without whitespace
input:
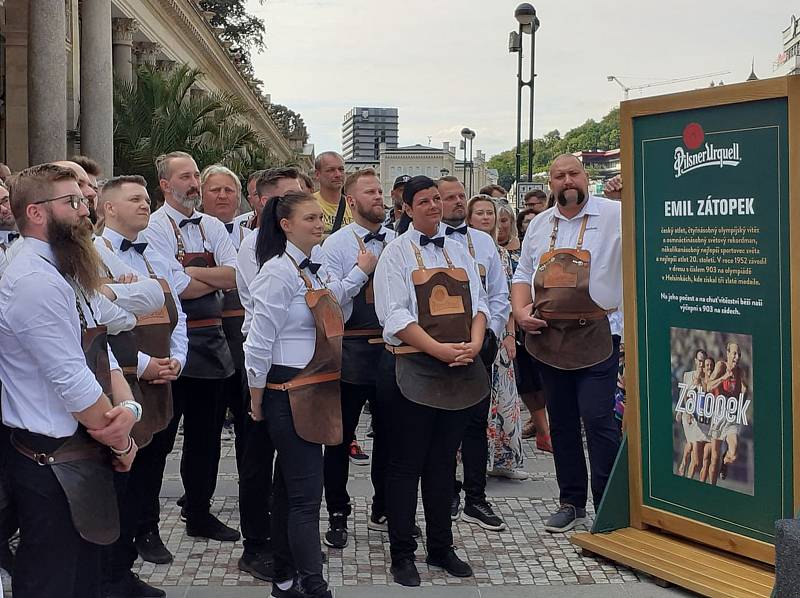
{"x":134,"y":408}
{"x":127,"y":451}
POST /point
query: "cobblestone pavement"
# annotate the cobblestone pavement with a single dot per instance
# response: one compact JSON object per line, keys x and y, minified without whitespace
{"x":520,"y":560}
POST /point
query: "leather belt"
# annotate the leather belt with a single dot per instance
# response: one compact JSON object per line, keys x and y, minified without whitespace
{"x":130,"y":370}
{"x":373,"y":332}
{"x":59,"y":455}
{"x":401,"y":350}
{"x":208,"y":322}
{"x":233,"y":313}
{"x":572,"y":315}
{"x":299,"y":381}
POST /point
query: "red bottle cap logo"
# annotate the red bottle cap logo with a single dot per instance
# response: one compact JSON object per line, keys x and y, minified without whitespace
{"x":693,"y":136}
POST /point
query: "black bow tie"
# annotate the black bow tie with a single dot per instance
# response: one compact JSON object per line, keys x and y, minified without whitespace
{"x":376,"y":236}
{"x":438,"y":241}
{"x":229,"y":226}
{"x":12,"y":237}
{"x":138,"y":247}
{"x":186,"y":221}
{"x":462,"y":230}
{"x":307,"y":263}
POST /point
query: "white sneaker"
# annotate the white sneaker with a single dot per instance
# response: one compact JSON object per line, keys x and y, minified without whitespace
{"x":511,"y":474}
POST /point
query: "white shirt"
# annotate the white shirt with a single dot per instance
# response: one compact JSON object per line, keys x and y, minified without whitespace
{"x":246,"y":271}
{"x":339,"y":255}
{"x":42,"y":364}
{"x":5,"y":244}
{"x":239,"y":228}
{"x":282,"y":329}
{"x":395,"y":297}
{"x":486,"y":255}
{"x":160,"y":235}
{"x":603,"y":239}
{"x":163,"y":269}
{"x":142,"y":297}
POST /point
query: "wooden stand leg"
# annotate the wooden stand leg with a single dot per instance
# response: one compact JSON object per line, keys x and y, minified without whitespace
{"x":661,"y":583}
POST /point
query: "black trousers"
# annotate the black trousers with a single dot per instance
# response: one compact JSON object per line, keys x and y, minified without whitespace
{"x":475,"y":454}
{"x":202,"y":403}
{"x":337,"y":458}
{"x":583,"y":395}
{"x":53,"y":561}
{"x":237,"y":398}
{"x":422,"y":446}
{"x":255,"y":485}
{"x":297,"y":492}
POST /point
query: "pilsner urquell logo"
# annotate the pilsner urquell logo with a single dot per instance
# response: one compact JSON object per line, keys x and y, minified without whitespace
{"x":693,"y":138}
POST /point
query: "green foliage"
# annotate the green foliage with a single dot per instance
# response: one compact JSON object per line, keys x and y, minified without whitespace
{"x":289,"y":122}
{"x":159,"y":114}
{"x":245,"y":31}
{"x":589,"y":136}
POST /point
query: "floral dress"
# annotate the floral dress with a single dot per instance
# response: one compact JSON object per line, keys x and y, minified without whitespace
{"x":505,"y":425}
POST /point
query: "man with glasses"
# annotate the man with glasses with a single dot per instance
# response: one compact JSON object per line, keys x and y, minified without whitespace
{"x":536,"y":200}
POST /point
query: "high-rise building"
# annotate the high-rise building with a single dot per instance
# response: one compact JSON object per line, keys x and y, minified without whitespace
{"x":365,"y":129}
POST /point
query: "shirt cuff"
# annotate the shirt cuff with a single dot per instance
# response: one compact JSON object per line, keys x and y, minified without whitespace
{"x":395,"y":323}
{"x":256,"y":380}
{"x":142,"y":362}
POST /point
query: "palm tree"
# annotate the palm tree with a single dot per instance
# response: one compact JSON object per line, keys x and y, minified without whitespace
{"x":158,"y":113}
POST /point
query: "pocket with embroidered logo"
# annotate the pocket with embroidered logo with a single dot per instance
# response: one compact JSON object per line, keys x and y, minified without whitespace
{"x":443,"y":304}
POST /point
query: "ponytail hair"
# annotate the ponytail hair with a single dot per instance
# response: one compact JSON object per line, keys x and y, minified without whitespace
{"x":271,"y":240}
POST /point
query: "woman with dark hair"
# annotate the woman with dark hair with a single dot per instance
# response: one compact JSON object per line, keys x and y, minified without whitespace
{"x":293,"y":358}
{"x":524,"y":217}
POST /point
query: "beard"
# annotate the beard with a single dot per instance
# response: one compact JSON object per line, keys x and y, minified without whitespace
{"x":370,"y":215}
{"x":190,"y":202}
{"x":580,"y":197}
{"x":74,"y":252}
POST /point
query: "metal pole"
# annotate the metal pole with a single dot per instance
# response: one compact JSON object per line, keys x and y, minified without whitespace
{"x":519,"y":108}
{"x":530,"y":85}
{"x":464,"y":175}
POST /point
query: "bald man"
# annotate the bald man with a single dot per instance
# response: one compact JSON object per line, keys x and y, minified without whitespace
{"x":567,"y":297}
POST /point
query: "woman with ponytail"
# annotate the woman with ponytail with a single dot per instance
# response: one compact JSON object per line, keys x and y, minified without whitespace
{"x":293,"y":359}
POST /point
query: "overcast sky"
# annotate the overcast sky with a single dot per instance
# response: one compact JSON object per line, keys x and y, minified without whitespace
{"x":445,"y":63}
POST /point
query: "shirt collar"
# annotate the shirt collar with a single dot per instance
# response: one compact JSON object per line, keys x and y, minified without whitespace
{"x":113,"y":237}
{"x":590,"y":209}
{"x":41,"y":248}
{"x":415,"y":234}
{"x":295,"y":252}
{"x":176,"y":215}
{"x":361,"y":231}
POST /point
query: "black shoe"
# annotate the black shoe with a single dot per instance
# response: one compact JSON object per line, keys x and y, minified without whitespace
{"x":131,"y":586}
{"x":6,"y":558}
{"x":151,"y":548}
{"x":455,"y":507}
{"x":336,"y":536}
{"x":212,"y":528}
{"x":259,"y":565}
{"x":482,"y":514}
{"x":417,"y":532}
{"x":564,"y":519}
{"x":292,"y":592}
{"x":183,"y":514}
{"x":182,"y":501}
{"x":405,"y":573}
{"x":451,"y":563}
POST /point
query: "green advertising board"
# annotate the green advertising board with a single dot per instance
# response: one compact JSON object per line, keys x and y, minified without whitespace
{"x":712,"y":238}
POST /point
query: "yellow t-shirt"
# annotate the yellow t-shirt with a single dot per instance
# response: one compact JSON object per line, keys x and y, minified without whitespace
{"x":329,"y":214}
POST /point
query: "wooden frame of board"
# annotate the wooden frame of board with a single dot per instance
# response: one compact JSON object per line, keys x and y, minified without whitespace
{"x":641,"y":515}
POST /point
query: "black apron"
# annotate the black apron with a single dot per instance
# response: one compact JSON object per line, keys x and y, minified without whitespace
{"x":490,"y":346}
{"x":444,"y":311}
{"x":82,"y":465}
{"x":360,"y":351}
{"x":209,"y":356}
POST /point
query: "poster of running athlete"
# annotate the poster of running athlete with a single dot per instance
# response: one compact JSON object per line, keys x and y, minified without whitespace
{"x":712,"y":403}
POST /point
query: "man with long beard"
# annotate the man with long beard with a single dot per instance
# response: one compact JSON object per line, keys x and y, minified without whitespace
{"x":567,"y":296}
{"x":202,"y":246}
{"x":59,"y":379}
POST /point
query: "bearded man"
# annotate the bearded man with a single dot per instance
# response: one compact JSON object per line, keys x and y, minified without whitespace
{"x":202,"y":246}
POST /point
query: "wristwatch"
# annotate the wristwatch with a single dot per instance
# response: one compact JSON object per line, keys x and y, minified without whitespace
{"x":126,"y":451}
{"x":135,"y":408}
{"x":505,"y":335}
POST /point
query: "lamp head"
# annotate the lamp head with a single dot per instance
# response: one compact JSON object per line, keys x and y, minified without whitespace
{"x":525,"y":14}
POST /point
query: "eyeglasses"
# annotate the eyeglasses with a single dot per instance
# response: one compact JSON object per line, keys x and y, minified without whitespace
{"x":75,"y":201}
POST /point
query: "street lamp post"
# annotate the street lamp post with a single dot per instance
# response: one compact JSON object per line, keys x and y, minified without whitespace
{"x":525,"y":14}
{"x":468,"y":135}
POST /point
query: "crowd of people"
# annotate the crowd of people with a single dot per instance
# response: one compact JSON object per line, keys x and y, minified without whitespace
{"x":119,"y":326}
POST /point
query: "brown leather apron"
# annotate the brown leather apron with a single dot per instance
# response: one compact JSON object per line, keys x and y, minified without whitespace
{"x":82,"y":465}
{"x":444,"y":311}
{"x":362,"y":342}
{"x":153,"y":333}
{"x":314,"y":394}
{"x":209,"y":355}
{"x":578,"y":334}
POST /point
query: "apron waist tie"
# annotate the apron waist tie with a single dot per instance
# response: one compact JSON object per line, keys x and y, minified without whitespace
{"x":300,"y":381}
{"x":371,"y":332}
{"x":401,"y":350}
{"x":59,"y":455}
{"x":574,"y":315}
{"x":233,"y":313}
{"x":207,"y":323}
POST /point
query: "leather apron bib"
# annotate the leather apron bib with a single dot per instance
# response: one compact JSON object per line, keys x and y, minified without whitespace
{"x":82,"y":465}
{"x":444,"y":311}
{"x":208,"y":356}
{"x":153,"y":333}
{"x":314,"y":394}
{"x":362,"y":342}
{"x":578,"y":334}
